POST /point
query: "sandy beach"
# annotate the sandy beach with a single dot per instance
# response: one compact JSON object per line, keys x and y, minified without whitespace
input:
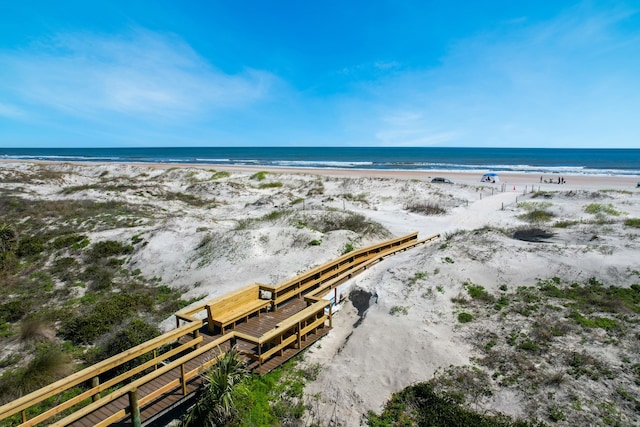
{"x":410,"y":331}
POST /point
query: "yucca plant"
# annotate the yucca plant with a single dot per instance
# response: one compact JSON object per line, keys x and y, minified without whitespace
{"x":215,"y":405}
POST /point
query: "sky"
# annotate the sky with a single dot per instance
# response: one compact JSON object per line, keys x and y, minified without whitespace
{"x":405,"y":73}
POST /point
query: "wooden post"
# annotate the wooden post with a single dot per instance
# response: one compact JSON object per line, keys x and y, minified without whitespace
{"x":24,"y":415}
{"x":183,"y":380}
{"x":155,"y":357}
{"x":299,"y":337}
{"x":95,"y":382}
{"x":135,"y":408}
{"x":210,"y":320}
{"x":330,"y":317}
{"x":196,"y":335}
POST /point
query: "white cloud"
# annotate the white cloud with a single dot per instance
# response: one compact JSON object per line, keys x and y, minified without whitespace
{"x":144,"y":75}
{"x":11,"y":111}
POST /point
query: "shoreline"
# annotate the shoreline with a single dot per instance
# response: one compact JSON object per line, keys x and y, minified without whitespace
{"x":517,"y":180}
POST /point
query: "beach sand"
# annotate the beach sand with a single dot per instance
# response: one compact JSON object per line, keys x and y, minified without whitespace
{"x":363,"y":361}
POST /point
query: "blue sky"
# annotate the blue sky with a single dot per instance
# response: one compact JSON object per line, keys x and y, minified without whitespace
{"x":320,"y":73}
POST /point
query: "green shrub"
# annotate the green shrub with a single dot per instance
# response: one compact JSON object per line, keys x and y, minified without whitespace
{"x":68,"y":240}
{"x":14,"y":310}
{"x":270,"y":185}
{"x":275,"y":215}
{"x":426,"y":208}
{"x":348,"y":248}
{"x":65,"y":269}
{"x":536,"y":216}
{"x":99,"y":277}
{"x":31,"y":246}
{"x":529,"y":345}
{"x":565,"y":224}
{"x":49,"y":364}
{"x":189,"y":199}
{"x":632,"y":222}
{"x":221,"y":174}
{"x":502,"y":302}
{"x":598,"y":208}
{"x":464,"y":317}
{"x":331,"y":221}
{"x":109,"y":248}
{"x":136,"y":332}
{"x":478,"y":292}
{"x":259,"y":176}
{"x":87,"y":326}
{"x":315,"y":242}
{"x":532,"y":206}
{"x":422,"y":405}
{"x":397,"y":309}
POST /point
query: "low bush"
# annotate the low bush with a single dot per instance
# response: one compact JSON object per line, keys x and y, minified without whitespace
{"x":348,"y":248}
{"x":220,"y":174}
{"x":14,"y":310}
{"x":68,"y":240}
{"x":259,"y":176}
{"x":464,"y":317}
{"x":137,"y":331}
{"x":31,"y":246}
{"x":87,"y":326}
{"x":426,"y":208}
{"x":65,"y":269}
{"x":536,"y":216}
{"x":109,"y":248}
{"x":332,"y":220}
{"x":478,"y":292}
{"x":99,"y":277}
{"x":632,"y":222}
{"x":422,"y":405}
{"x":49,"y":364}
{"x":270,"y":185}
{"x":598,"y":208}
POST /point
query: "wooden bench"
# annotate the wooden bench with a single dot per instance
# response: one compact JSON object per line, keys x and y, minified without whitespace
{"x":235,"y":306}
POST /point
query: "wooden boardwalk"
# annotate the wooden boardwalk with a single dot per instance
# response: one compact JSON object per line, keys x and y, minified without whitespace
{"x":267,"y":324}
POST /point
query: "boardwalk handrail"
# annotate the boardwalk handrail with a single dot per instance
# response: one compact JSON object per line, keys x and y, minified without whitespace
{"x":317,"y":282}
{"x":93,"y":371}
{"x":286,"y":290}
{"x":326,"y":285}
{"x":133,"y":386}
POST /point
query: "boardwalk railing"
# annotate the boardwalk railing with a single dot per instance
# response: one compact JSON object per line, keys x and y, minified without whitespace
{"x":165,"y":353}
{"x":334,"y":271}
{"x":92,"y":375}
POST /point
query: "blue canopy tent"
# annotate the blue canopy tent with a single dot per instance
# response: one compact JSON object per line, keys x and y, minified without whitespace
{"x":490,"y":177}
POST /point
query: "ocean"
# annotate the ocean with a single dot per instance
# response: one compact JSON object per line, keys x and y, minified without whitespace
{"x":533,"y":160}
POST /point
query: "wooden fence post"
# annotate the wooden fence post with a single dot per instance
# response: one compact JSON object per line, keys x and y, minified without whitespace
{"x":135,"y":408}
{"x":183,"y":380}
{"x":95,"y":382}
